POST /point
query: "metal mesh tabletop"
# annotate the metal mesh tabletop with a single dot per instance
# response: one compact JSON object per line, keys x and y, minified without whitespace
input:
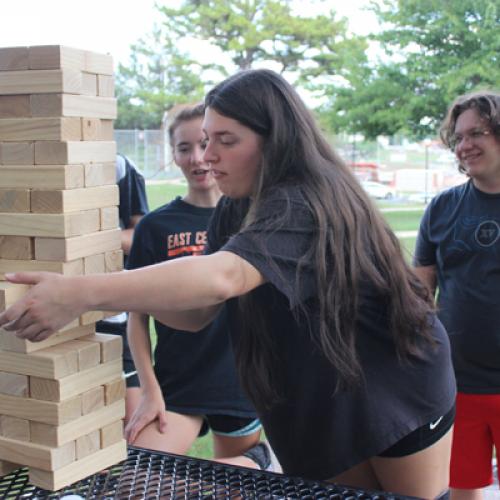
{"x":153,"y":475}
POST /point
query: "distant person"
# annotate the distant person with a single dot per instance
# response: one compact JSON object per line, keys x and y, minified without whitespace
{"x":458,"y":253}
{"x":193,"y":386}
{"x":335,"y":337}
{"x":132,"y":207}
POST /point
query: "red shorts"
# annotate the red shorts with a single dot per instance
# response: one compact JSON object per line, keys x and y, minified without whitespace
{"x":476,"y":431}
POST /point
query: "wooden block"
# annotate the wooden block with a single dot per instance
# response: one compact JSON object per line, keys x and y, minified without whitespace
{"x":40,"y":81}
{"x":78,"y":470}
{"x":37,"y":455}
{"x":16,"y":248}
{"x":40,"y":177}
{"x":41,"y":411}
{"x":74,"y":200}
{"x":63,"y":153}
{"x":75,"y":384}
{"x":15,"y":106}
{"x":56,"y":435}
{"x":113,"y":261}
{"x":98,"y":63}
{"x":111,"y":346}
{"x":9,"y":341}
{"x":40,"y":129}
{"x":105,"y":85}
{"x":18,"y":153}
{"x":14,"y":384}
{"x":56,"y":57}
{"x":73,"y":268}
{"x":89,"y":354}
{"x":88,"y":444}
{"x":14,"y":428}
{"x":78,"y":246}
{"x":49,"y":225}
{"x":99,"y":174}
{"x":7,"y":467}
{"x":109,"y":218}
{"x":89,"y":84}
{"x":107,"y":130}
{"x":46,"y":105}
{"x":10,"y":293}
{"x":52,"y":362}
{"x":91,"y":317}
{"x":114,"y":391}
{"x":14,"y":58}
{"x":94,"y":264}
{"x":17,"y":200}
{"x":92,"y":400}
{"x":111,"y":434}
{"x":91,"y":129}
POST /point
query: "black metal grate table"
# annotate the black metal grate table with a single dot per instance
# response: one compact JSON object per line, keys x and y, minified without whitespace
{"x":152,"y":475}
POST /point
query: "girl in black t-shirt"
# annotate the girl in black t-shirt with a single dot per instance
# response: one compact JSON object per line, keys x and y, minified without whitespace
{"x":336,"y":340}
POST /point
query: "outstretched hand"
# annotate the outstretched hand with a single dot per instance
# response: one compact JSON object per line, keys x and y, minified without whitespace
{"x":50,"y":304}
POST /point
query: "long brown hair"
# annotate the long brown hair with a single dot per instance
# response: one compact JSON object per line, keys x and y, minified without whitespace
{"x":352,"y":242}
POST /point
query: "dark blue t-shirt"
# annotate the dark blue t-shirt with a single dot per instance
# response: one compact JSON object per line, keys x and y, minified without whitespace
{"x":460,"y":235}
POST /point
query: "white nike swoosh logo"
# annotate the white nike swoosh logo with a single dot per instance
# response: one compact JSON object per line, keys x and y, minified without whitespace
{"x":433,"y":425}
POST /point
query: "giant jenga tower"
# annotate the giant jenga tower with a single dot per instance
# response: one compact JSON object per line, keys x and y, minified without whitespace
{"x":62,"y":399}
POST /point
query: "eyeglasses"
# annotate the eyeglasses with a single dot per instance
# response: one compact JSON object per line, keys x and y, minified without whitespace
{"x":474,"y":136}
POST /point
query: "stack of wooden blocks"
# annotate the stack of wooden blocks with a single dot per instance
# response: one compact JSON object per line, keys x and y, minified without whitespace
{"x":61,"y":399}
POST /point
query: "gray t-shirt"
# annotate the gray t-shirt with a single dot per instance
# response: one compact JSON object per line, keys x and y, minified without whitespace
{"x":460,"y":235}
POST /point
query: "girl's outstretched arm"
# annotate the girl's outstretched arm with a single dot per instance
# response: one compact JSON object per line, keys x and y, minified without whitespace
{"x":194,"y":284}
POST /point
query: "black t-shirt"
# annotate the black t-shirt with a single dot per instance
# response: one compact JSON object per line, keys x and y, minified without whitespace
{"x":196,"y":371}
{"x":314,"y":431}
{"x":460,"y":235}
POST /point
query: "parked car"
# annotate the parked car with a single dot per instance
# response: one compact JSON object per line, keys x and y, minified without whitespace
{"x":379,"y":191}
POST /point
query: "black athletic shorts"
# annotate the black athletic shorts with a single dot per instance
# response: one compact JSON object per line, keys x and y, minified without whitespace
{"x":423,"y":437}
{"x":225,"y":425}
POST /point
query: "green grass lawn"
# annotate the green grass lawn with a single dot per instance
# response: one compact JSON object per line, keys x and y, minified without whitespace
{"x":401,"y":219}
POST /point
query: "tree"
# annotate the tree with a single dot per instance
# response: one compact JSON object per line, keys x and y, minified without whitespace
{"x":437,"y":51}
{"x":157,"y":77}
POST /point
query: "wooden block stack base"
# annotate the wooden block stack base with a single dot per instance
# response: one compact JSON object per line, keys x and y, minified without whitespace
{"x":62,"y":399}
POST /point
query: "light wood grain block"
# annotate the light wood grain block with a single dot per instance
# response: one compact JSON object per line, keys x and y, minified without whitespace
{"x":107,"y":130}
{"x":92,"y":400}
{"x":40,"y":82}
{"x":73,"y":200}
{"x":7,"y":467}
{"x":40,"y":129}
{"x":14,"y":58}
{"x":88,"y":444}
{"x":98,"y":63}
{"x":14,"y":384}
{"x":17,"y":153}
{"x":52,"y":362}
{"x":91,"y":129}
{"x":9,"y":341}
{"x":10,"y":293}
{"x":105,"y":85}
{"x":89,"y":84}
{"x":15,"y":106}
{"x":73,"y":268}
{"x":13,"y":248}
{"x":94,"y":264}
{"x":55,"y":105}
{"x":56,"y":57}
{"x":111,"y":434}
{"x":41,"y":411}
{"x":75,"y":384}
{"x":18,"y":200}
{"x":91,"y":317}
{"x":109,"y":218}
{"x":114,"y":391}
{"x":56,"y":435}
{"x":78,"y":470}
{"x":37,"y":455}
{"x":42,"y":177}
{"x":111,"y":346}
{"x":14,"y":428}
{"x":89,"y":354}
{"x":65,"y":153}
{"x":49,"y":225}
{"x":77,"y":247}
{"x":113,"y":261}
{"x":99,"y":174}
